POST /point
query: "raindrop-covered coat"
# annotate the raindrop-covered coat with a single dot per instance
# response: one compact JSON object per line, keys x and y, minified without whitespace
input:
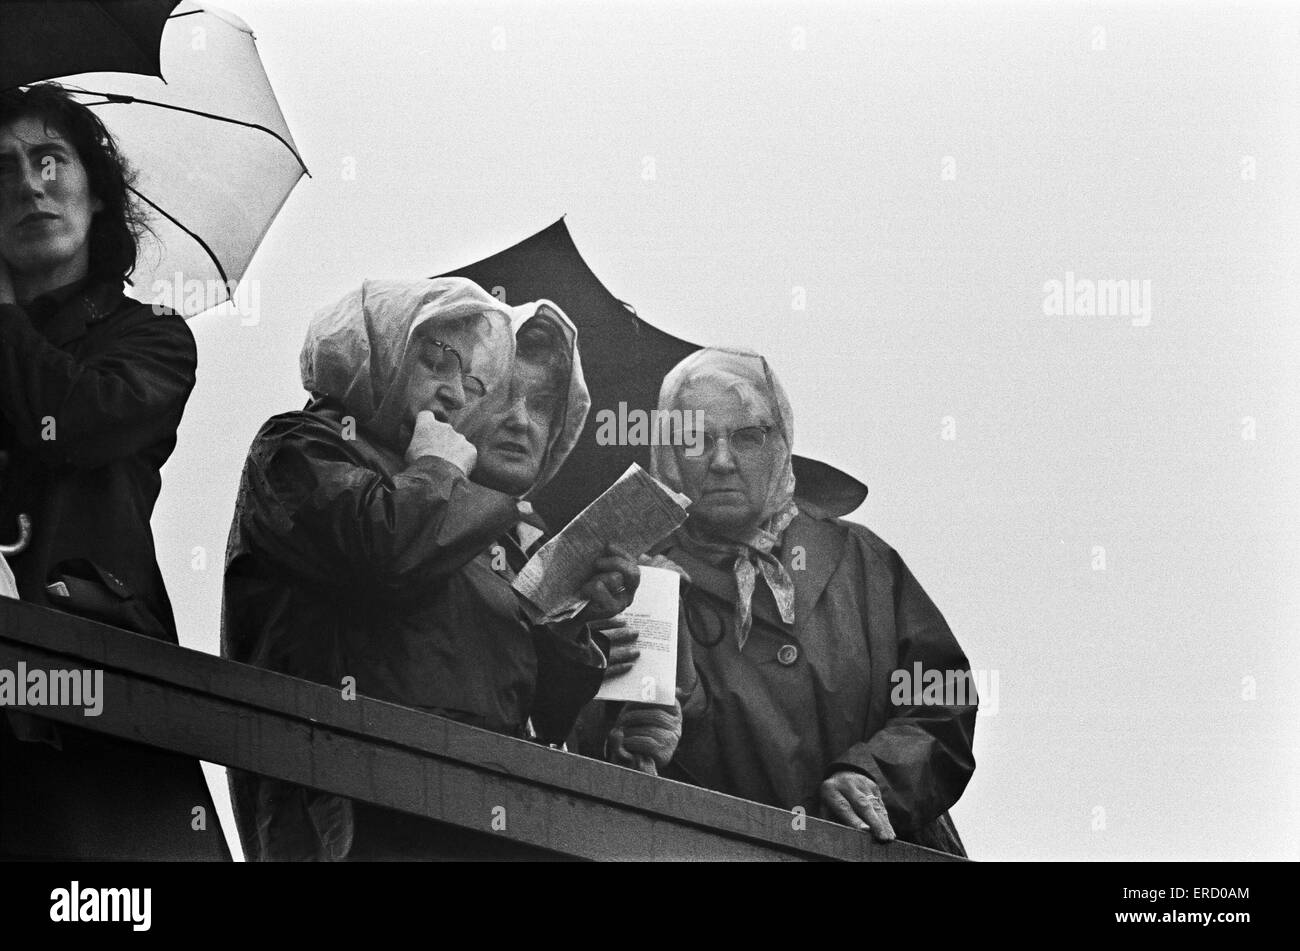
{"x":345,"y":560}
{"x":810,"y":688}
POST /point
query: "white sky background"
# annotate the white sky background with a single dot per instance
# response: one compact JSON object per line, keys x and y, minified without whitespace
{"x":1121,"y":692}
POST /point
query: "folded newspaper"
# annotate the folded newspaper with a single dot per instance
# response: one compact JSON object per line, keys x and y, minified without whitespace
{"x":635,"y":513}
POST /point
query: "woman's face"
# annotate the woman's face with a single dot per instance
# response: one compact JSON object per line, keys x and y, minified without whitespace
{"x":512,"y":441}
{"x":440,"y":373}
{"x":729,"y":489}
{"x":46,"y":205}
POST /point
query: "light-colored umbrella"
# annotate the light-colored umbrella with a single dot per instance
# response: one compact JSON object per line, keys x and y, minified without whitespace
{"x":215,"y":158}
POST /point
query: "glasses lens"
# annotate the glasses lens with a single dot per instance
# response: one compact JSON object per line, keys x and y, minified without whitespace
{"x":686,"y":436}
{"x":440,"y":357}
{"x":473,"y":386}
{"x":749,"y":439}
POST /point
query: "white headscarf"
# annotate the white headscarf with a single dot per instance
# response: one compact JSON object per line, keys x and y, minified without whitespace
{"x":748,"y":375}
{"x":571,"y":414}
{"x":357,"y":348}
{"x":571,"y":407}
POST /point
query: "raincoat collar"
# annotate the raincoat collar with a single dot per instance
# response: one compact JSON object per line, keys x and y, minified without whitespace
{"x":813,"y":547}
{"x":64,"y":314}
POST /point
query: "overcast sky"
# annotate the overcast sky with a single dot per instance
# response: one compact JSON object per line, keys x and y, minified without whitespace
{"x":1103,"y":506}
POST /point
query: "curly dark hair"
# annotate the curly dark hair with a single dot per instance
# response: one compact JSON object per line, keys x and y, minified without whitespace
{"x":115,"y":231}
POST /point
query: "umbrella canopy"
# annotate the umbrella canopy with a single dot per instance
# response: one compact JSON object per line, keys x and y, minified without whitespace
{"x":41,"y":40}
{"x":216,"y":160}
{"x":624,"y":360}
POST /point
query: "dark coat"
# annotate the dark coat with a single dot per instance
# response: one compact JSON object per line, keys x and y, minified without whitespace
{"x":91,"y":394}
{"x":92,"y":388}
{"x":805,"y":700}
{"x":345,"y":561}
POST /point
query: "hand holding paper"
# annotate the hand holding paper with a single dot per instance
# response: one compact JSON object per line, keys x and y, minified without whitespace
{"x":633,"y":515}
{"x":611,"y":587}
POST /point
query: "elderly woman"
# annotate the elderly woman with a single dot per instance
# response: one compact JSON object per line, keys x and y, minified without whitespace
{"x":371,"y":542}
{"x":798,"y":622}
{"x":93,"y":385}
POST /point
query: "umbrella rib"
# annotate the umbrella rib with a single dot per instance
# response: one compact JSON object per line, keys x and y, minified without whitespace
{"x":201,"y":243}
{"x":114,"y":98}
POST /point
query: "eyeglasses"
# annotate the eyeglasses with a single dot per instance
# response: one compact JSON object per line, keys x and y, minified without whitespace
{"x":742,"y":441}
{"x":473,"y":386}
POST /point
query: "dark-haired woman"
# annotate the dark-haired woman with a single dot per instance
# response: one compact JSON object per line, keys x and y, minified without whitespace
{"x":92,"y":388}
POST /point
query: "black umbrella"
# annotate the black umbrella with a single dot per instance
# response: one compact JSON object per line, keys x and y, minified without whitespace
{"x":624,"y":359}
{"x":42,"y":40}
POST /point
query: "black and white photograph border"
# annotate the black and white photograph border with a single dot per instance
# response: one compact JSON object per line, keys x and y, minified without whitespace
{"x":1025,"y":274}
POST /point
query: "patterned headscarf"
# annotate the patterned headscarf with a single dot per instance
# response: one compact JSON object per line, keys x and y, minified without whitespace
{"x":357,"y":348}
{"x":748,"y":375}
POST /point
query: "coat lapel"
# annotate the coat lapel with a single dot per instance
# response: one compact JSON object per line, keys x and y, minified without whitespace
{"x":810,"y":552}
{"x":722,"y":585}
{"x":719,"y":583}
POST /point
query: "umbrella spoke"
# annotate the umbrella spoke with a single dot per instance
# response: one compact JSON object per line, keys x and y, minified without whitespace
{"x":115,"y":99}
{"x":198,"y":240}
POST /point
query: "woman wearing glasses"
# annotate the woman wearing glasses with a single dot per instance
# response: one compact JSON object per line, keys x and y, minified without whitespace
{"x":798,"y":622}
{"x":358,"y":556}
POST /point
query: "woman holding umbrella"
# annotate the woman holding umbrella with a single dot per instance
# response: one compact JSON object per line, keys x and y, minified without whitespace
{"x":92,"y":389}
{"x":798,"y":623}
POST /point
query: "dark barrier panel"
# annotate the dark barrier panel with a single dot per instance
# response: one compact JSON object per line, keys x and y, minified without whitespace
{"x":267,"y":723}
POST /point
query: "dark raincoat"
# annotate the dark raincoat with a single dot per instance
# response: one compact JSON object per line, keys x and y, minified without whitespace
{"x":92,"y":388}
{"x":804,"y":700}
{"x":345,"y":560}
{"x":92,"y":392}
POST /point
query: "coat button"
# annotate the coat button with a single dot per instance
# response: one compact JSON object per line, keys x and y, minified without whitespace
{"x":787,"y":655}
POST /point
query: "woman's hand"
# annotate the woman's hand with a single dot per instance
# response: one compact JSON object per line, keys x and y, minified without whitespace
{"x":853,"y":799}
{"x":622,"y":646}
{"x":645,"y":734}
{"x":432,"y":437}
{"x":662,"y":561}
{"x":611,"y":586}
